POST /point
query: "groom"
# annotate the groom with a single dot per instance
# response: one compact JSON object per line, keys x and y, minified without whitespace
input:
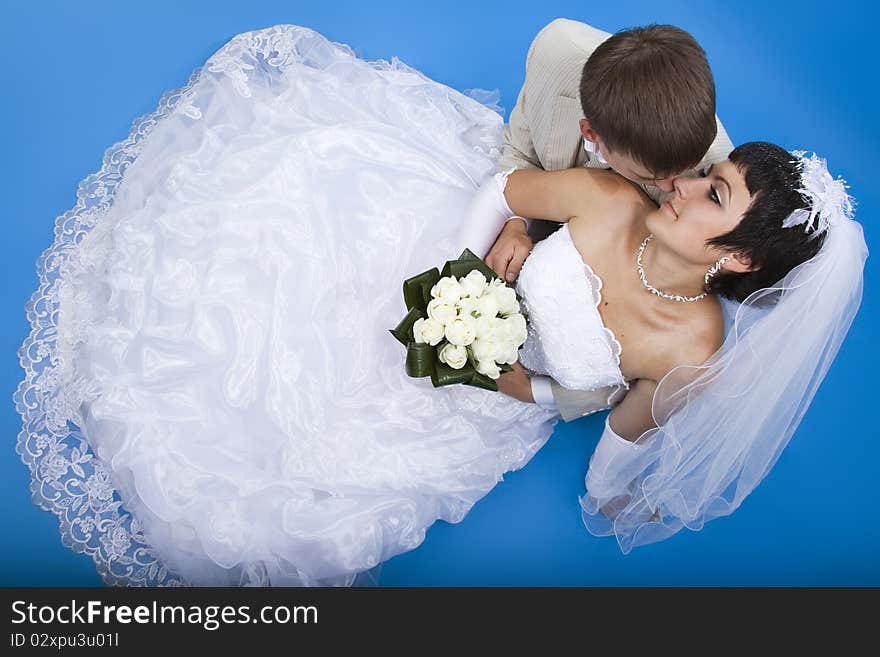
{"x":641,"y":102}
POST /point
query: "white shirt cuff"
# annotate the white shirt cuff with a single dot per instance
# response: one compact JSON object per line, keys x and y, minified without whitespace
{"x":542,"y":392}
{"x":526,"y":221}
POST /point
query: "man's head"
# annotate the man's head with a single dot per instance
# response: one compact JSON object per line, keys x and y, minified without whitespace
{"x":649,"y":100}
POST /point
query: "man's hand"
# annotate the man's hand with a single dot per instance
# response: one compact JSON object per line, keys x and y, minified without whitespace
{"x":510,"y":250}
{"x":516,"y":383}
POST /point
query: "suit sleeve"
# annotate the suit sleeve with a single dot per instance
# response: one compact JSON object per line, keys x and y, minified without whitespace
{"x":721,"y":147}
{"x":518,"y":150}
{"x":574,"y":404}
{"x":718,"y":151}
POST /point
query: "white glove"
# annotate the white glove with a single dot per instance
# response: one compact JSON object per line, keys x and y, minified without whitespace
{"x":609,"y":446}
{"x":486,"y":216}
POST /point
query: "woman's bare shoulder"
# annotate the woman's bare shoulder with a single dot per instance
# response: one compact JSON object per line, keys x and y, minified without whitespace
{"x":611,"y":200}
{"x":694,"y":339}
{"x":704,"y":336}
{"x":609,"y":184}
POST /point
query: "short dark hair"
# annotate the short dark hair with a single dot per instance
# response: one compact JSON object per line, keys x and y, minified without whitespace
{"x":773,"y":177}
{"x":648,"y":92}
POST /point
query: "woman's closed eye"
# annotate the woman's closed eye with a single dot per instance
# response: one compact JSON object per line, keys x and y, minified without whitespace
{"x":713,"y":193}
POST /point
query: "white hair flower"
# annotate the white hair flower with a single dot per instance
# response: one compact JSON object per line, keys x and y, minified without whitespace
{"x":826,"y":196}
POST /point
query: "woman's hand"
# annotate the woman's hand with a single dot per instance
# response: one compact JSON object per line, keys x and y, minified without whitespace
{"x":507,"y":255}
{"x":516,"y":383}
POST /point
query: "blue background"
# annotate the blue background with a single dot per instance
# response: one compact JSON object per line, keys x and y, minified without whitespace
{"x":74,"y":76}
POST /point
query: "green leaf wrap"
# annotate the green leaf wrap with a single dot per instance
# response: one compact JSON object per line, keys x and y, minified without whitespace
{"x":404,"y":331}
{"x":417,"y":289}
{"x":422,"y":359}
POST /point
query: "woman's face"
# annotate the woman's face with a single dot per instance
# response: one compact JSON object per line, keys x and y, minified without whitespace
{"x":699,"y":209}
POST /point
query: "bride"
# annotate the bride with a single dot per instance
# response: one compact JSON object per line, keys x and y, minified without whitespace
{"x":212,"y":396}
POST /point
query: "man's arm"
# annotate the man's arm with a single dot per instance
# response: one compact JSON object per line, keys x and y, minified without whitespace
{"x":518,"y":151}
{"x":510,"y":251}
{"x":547,"y":393}
{"x":535,"y":137}
{"x":574,"y":404}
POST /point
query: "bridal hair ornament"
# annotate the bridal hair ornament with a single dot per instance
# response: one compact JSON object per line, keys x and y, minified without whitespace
{"x":827,"y":197}
{"x":722,"y":425}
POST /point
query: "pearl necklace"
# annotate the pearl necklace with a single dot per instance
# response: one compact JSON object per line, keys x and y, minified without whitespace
{"x":673,"y":297}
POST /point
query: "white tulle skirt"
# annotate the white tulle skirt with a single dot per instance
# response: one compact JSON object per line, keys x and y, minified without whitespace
{"x":213,"y":396}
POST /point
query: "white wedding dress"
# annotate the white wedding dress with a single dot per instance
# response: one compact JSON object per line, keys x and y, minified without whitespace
{"x":213,"y":396}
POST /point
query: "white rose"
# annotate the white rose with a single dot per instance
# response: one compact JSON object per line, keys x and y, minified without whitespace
{"x":509,"y":352}
{"x":473,"y":284}
{"x":467,"y":306}
{"x":489,"y":368}
{"x":453,"y":355}
{"x":429,"y":331}
{"x":486,"y":327}
{"x":515,"y":325}
{"x":496,"y":283}
{"x":486,"y":349}
{"x":507,"y":301}
{"x":503,"y":336}
{"x":417,"y":336}
{"x":487,"y":304}
{"x":448,"y":289}
{"x":442,"y":311}
{"x":460,"y":331}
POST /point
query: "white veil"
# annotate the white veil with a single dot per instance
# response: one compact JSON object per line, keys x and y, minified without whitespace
{"x":721,"y":426}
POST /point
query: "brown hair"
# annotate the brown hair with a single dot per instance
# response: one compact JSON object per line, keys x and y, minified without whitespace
{"x":648,"y":92}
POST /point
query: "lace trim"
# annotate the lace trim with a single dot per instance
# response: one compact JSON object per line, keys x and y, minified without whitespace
{"x":616,"y":347}
{"x":67,"y":477}
{"x":596,"y":282}
{"x":567,"y":337}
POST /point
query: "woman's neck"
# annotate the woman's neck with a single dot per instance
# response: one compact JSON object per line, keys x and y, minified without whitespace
{"x":669,"y":273}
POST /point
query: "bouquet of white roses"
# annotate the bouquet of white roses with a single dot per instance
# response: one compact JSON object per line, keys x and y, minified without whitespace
{"x":465,"y":326}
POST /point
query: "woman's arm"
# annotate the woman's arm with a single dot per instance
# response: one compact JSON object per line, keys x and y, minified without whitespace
{"x":633,"y":416}
{"x":617,"y":446}
{"x":554,"y":195}
{"x":485,"y":217}
{"x":577,"y":192}
{"x":531,"y":193}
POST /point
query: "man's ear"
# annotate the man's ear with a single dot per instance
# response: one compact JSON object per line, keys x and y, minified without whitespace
{"x":587,"y":130}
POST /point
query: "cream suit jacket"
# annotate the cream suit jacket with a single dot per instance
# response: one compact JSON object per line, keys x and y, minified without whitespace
{"x":544,"y":133}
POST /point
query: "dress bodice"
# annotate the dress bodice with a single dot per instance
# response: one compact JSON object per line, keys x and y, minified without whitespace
{"x":567,"y":339}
